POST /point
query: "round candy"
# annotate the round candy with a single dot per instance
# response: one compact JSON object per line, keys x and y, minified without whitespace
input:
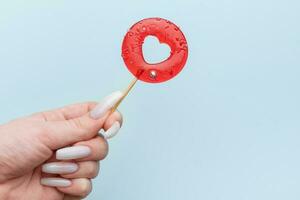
{"x":167,"y":33}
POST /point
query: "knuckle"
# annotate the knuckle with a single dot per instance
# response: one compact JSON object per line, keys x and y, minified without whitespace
{"x":85,"y":187}
{"x":85,"y":124}
{"x":93,"y":170}
{"x":103,"y":145}
{"x":77,"y":123}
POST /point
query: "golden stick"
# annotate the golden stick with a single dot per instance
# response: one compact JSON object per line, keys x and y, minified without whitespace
{"x":130,"y":86}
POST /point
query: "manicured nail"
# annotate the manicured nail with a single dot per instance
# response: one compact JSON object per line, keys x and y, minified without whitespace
{"x":59,"y":168}
{"x":112,"y":131}
{"x":56,"y":182}
{"x":74,"y":152}
{"x":106,"y":104}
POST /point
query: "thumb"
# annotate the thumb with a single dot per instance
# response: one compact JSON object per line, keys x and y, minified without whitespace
{"x":87,"y":126}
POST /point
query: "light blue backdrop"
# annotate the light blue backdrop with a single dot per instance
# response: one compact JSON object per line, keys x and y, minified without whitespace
{"x":227,"y":128}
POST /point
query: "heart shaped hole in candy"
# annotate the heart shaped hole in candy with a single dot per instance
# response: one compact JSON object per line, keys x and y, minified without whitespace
{"x":155,"y":52}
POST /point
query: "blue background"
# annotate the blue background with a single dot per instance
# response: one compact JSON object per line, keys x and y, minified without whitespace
{"x":226,"y":128}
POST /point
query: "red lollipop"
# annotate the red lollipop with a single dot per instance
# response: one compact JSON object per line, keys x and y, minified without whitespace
{"x":166,"y":32}
{"x":132,"y":52}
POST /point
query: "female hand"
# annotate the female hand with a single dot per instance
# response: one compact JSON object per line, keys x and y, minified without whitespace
{"x":59,"y":148}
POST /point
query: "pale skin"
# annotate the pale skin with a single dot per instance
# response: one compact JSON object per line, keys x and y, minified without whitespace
{"x":28,"y":143}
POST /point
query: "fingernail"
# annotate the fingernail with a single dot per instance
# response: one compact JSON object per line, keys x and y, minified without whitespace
{"x":106,"y":104}
{"x":74,"y":152}
{"x":56,"y":182}
{"x":59,"y":168}
{"x":112,"y":131}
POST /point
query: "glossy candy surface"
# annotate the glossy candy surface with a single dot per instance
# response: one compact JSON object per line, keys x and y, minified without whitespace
{"x":166,"y":32}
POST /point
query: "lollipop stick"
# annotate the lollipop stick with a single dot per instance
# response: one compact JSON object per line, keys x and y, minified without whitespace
{"x":125,"y":93}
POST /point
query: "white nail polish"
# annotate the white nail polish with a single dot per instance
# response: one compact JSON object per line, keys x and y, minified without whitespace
{"x":74,"y":152}
{"x":106,"y":104}
{"x":112,"y":131}
{"x":56,"y":182}
{"x":59,"y":168}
